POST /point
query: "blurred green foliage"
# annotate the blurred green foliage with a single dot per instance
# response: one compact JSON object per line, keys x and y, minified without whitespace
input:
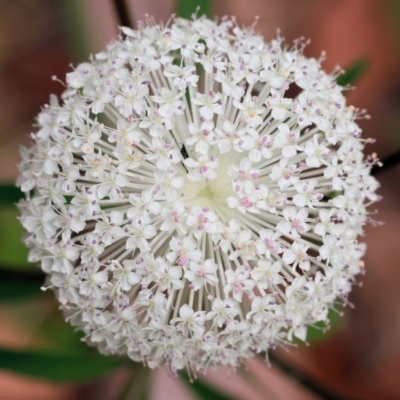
{"x":59,"y":354}
{"x":203,"y":390}
{"x":353,"y":72}
{"x":19,"y":285}
{"x":58,"y":367}
{"x":77,"y":34}
{"x":13,"y":253}
{"x":9,"y":194}
{"x":318,"y":332}
{"x":185,"y":8}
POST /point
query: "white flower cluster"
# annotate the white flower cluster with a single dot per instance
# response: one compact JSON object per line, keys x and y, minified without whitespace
{"x":197,"y":195}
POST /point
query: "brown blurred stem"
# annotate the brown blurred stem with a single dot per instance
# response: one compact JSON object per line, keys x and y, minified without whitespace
{"x":387,"y":162}
{"x":304,"y":380}
{"x":122,"y":11}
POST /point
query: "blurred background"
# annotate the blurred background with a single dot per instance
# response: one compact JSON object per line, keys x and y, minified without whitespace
{"x":360,"y":358}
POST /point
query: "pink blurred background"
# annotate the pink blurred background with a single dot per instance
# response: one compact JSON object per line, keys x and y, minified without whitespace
{"x":40,"y":38}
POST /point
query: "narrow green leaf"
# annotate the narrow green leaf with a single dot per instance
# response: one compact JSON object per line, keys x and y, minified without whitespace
{"x":185,"y":8}
{"x":13,"y":253}
{"x":57,"y":367}
{"x":353,"y":73}
{"x":203,"y":391}
{"x":19,"y":285}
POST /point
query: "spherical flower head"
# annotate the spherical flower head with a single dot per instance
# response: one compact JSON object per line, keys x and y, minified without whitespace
{"x":187,"y":209}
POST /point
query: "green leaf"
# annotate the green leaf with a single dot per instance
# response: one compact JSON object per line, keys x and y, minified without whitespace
{"x":137,"y":387}
{"x":76,"y":28}
{"x":185,"y":8}
{"x":204,"y":391}
{"x":61,"y":337}
{"x":353,"y":73}
{"x":13,"y":253}
{"x":58,"y":367}
{"x":10,"y":194}
{"x":19,"y":285}
{"x":317,"y":332}
{"x":62,"y":355}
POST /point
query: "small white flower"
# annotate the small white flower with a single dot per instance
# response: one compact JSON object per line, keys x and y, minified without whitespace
{"x":223,"y":311}
{"x":139,"y":233}
{"x":279,"y":105}
{"x":201,"y":273}
{"x":131,"y":100}
{"x":164,"y":154}
{"x":325,"y":222}
{"x":287,"y":141}
{"x":306,"y":194}
{"x":169,"y":277}
{"x":70,"y":220}
{"x":317,"y":152}
{"x":87,"y":200}
{"x":182,"y":76}
{"x":171,"y":103}
{"x":126,"y":275}
{"x":238,"y":283}
{"x":250,"y":111}
{"x":297,"y":256}
{"x":109,"y":229}
{"x":190,"y":320}
{"x":203,"y":169}
{"x":40,"y":222}
{"x":262,"y":309}
{"x":210,"y":104}
{"x":232,"y":137}
{"x":284,"y":174}
{"x":92,"y":278}
{"x":63,"y":255}
{"x":201,"y":220}
{"x":294,"y":222}
{"x":269,"y":243}
{"x":211,"y":216}
{"x":266,"y":273}
{"x":144,"y":205}
{"x":156,"y":124}
{"x":230,"y":85}
{"x":112,"y":184}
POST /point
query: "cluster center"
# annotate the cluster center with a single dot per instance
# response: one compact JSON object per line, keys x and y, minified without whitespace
{"x":212,"y":194}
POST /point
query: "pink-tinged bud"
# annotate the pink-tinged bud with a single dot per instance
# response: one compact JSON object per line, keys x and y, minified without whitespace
{"x":183,"y":261}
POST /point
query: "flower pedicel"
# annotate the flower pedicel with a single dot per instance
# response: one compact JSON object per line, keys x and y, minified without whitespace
{"x":187,"y":210}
